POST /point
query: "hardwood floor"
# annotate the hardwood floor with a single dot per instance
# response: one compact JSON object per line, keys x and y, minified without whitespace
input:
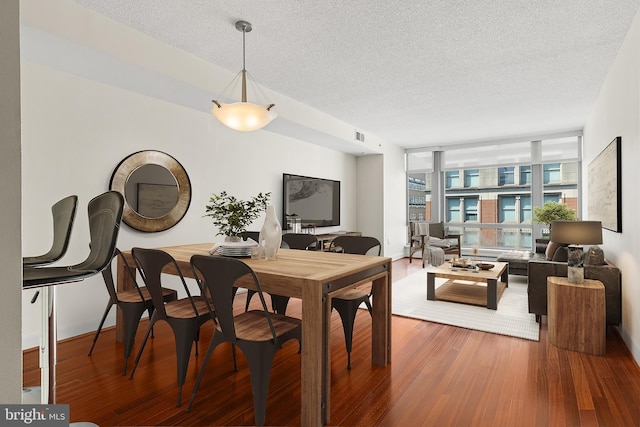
{"x":439,"y":376}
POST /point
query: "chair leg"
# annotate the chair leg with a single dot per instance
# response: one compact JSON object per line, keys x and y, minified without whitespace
{"x":144,"y":343}
{"x":131,"y":314}
{"x":185,"y":333}
{"x":104,"y":317}
{"x":279,"y":304}
{"x":212,"y":345}
{"x":260,"y":358}
{"x":347,"y":310}
{"x":249,"y":296}
{"x":150,"y":311}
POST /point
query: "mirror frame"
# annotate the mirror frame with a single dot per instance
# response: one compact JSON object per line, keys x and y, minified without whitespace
{"x":135,"y":161}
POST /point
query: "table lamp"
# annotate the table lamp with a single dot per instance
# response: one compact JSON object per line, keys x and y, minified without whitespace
{"x":574,"y":234}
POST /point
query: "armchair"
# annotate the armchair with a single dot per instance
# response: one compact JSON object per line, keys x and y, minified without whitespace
{"x":432,"y":238}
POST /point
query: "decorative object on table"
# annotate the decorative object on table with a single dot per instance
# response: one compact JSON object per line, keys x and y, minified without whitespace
{"x":243,"y":248}
{"x":595,"y":256}
{"x":459,"y":262}
{"x":271,"y":234}
{"x":575,"y":233}
{"x":604,"y":184}
{"x":485,"y":266}
{"x":244,"y":116}
{"x":232,"y":216}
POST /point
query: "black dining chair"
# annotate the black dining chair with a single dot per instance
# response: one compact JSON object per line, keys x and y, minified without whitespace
{"x":300,"y":241}
{"x":184,"y":316}
{"x":303,"y":241}
{"x":258,"y":333}
{"x":132,"y":302}
{"x":254,"y":235}
{"x":63,"y":213}
{"x":347,"y":301}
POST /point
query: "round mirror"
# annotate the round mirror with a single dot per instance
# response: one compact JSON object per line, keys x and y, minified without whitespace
{"x":156,"y":189}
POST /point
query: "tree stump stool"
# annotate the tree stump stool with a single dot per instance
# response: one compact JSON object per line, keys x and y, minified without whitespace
{"x":577,"y":315}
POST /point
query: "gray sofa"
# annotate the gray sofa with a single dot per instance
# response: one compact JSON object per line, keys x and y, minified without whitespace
{"x":608,"y":274}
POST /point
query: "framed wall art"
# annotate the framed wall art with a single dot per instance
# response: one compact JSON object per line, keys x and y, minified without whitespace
{"x":604,"y":186}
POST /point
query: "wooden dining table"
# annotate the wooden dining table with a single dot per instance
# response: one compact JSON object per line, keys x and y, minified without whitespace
{"x":314,"y":277}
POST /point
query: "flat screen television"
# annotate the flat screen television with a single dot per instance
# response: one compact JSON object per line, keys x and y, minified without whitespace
{"x":315,"y":201}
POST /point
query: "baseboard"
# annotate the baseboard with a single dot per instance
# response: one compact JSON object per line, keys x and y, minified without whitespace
{"x":631,"y":345}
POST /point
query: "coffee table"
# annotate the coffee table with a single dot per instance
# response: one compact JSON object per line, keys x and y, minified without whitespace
{"x":499,"y":272}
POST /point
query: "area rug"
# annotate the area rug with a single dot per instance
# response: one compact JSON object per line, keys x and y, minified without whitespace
{"x":512,"y":317}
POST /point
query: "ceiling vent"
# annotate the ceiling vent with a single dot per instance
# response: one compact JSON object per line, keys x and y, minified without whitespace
{"x":359,"y":136}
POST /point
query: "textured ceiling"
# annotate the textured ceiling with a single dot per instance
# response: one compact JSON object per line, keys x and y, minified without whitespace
{"x":415,"y":73}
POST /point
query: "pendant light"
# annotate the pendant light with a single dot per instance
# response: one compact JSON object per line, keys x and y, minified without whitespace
{"x":244,"y":116}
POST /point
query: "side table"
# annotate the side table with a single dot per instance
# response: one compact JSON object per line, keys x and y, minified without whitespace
{"x":577,"y":315}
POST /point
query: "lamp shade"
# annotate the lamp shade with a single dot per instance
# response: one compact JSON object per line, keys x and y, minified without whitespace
{"x":576,"y":232}
{"x":243,"y":116}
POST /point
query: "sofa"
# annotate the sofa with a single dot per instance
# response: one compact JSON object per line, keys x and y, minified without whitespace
{"x":608,"y":274}
{"x":519,"y":260}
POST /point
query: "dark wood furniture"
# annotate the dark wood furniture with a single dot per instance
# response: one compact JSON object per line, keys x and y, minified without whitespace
{"x":419,"y":242}
{"x":314,"y":277}
{"x":577,"y":318}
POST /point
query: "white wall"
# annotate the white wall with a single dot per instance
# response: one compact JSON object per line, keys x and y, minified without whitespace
{"x":370,"y":197}
{"x":10,"y":261}
{"x":80,"y":121}
{"x":75,"y":133}
{"x":617,"y":113}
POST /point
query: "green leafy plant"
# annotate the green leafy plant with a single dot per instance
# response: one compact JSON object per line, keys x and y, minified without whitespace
{"x":232,"y":216}
{"x":553,"y":211}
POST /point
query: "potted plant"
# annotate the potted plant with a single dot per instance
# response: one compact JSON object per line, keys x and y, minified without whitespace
{"x":552,"y":211}
{"x":231,"y":215}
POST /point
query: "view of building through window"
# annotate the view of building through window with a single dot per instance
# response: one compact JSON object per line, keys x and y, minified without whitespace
{"x":491,"y":207}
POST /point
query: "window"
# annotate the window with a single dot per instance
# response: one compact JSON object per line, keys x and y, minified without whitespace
{"x":459,"y":206}
{"x":452,"y":179}
{"x":453,"y":209}
{"x":551,"y":173}
{"x":525,"y":175}
{"x":505,"y":175}
{"x":551,"y":198}
{"x":507,"y":208}
{"x":515,"y":208}
{"x":526,"y":214}
{"x":496,"y":184}
{"x":472,"y":178}
{"x":471,"y":209}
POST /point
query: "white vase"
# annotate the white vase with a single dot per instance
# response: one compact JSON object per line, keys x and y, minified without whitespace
{"x":271,"y":233}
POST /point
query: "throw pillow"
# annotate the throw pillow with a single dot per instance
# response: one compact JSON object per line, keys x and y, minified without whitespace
{"x":561,"y":254}
{"x":439,"y":243}
{"x":551,"y":250}
{"x":595,"y":256}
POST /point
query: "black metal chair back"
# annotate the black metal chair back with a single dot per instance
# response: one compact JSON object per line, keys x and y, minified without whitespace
{"x":105,"y":216}
{"x":360,"y":245}
{"x":300,"y":241}
{"x":63,"y":213}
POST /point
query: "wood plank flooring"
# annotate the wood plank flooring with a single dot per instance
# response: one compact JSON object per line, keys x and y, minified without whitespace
{"x":439,"y":376}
